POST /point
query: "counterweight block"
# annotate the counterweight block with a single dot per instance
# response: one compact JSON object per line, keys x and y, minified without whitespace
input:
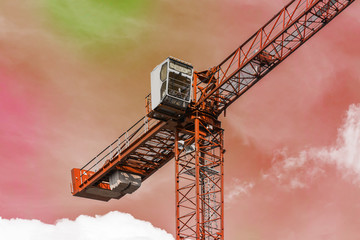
{"x":123,"y":182}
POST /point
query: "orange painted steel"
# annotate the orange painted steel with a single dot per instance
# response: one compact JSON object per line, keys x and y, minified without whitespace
{"x":141,"y":155}
{"x":200,"y":181}
{"x":196,"y":141}
{"x":296,"y":23}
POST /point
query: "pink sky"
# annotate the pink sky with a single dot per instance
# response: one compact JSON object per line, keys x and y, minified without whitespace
{"x":64,"y":97}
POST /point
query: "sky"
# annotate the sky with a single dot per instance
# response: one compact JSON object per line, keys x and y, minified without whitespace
{"x":74,"y":75}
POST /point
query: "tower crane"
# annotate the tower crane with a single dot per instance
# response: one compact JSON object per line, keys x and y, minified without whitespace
{"x":182,"y":122}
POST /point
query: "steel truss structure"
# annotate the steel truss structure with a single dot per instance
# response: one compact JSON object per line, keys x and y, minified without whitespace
{"x":296,"y":23}
{"x":142,"y":150}
{"x":196,"y":139}
{"x":199,"y":161}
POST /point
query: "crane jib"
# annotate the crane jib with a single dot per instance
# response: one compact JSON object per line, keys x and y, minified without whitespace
{"x":274,"y":42}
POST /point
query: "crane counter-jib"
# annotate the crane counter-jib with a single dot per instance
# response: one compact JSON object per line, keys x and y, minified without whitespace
{"x":140,"y":151}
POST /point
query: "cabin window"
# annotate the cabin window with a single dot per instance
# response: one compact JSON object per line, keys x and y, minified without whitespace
{"x":163,"y":72}
{"x":179,"y":86}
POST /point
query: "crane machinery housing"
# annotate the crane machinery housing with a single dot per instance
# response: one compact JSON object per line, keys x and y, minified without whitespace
{"x":182,"y":122}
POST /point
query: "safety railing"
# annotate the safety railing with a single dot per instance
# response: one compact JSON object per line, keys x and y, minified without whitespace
{"x":119,"y":145}
{"x":148,"y":104}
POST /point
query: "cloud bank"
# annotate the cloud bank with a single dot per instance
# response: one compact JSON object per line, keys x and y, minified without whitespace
{"x":295,"y":172}
{"x":300,"y":171}
{"x":112,"y":226}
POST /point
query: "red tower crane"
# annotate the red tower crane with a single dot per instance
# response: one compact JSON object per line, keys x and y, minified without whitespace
{"x":182,"y":122}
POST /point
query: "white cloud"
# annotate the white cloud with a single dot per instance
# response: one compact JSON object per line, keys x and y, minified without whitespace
{"x":347,"y":152}
{"x":112,"y":226}
{"x":238,"y":188}
{"x":299,"y":171}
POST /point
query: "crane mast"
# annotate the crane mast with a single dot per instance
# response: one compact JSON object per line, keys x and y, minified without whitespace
{"x":188,"y":128}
